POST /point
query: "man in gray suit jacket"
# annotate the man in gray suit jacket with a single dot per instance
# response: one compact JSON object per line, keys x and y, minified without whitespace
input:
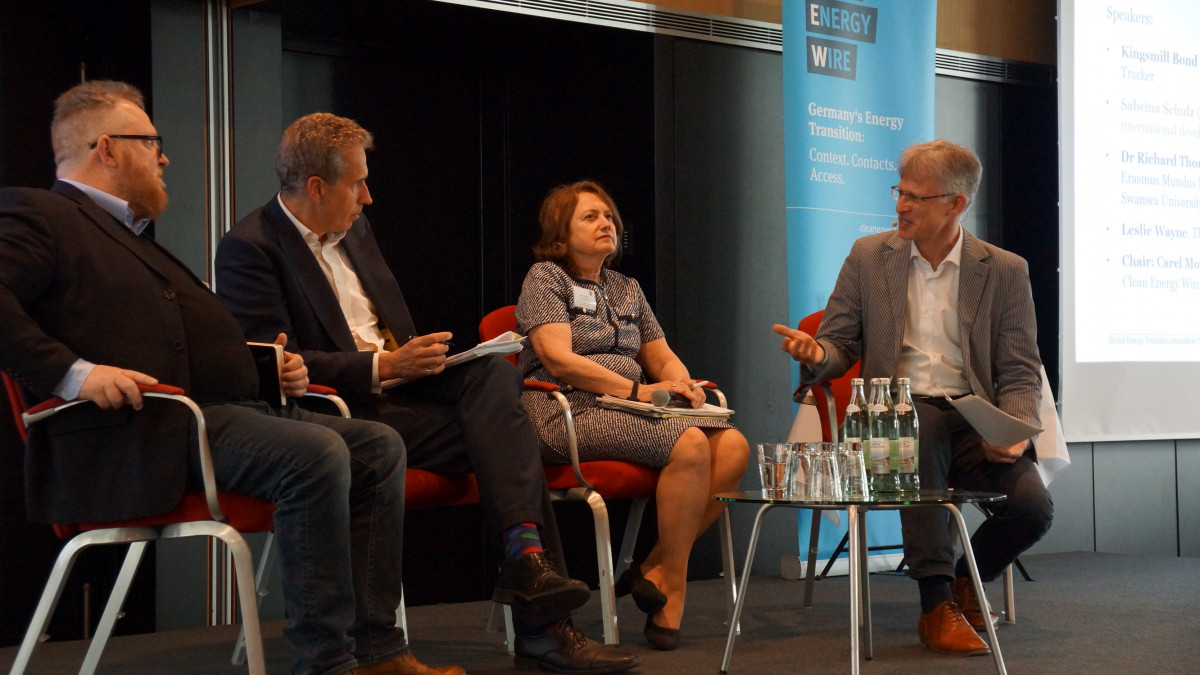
{"x":955,"y":315}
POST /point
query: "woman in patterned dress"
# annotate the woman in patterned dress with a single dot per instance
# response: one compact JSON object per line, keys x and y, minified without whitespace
{"x":591,"y":329}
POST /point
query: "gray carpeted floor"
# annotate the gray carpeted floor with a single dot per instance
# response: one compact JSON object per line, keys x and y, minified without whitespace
{"x":1085,"y":613}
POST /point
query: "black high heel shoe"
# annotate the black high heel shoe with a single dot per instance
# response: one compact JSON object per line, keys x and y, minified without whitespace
{"x":666,"y":639}
{"x":645,"y":594}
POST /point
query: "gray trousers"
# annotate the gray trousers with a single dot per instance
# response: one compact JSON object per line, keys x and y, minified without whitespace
{"x":951,"y":455}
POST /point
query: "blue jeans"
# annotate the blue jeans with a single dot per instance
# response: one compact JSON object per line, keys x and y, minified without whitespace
{"x":338,"y":488}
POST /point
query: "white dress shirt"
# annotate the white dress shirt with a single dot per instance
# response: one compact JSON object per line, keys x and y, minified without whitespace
{"x":931,"y":352}
{"x":356,"y":306}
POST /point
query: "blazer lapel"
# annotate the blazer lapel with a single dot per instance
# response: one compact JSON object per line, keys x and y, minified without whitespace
{"x":117,"y":231}
{"x":972,"y":278}
{"x":310,"y":278}
{"x":378,"y":282}
{"x":895,"y":268}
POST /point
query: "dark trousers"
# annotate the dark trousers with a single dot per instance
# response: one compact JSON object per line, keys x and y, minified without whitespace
{"x":951,"y":455}
{"x":470,"y":418}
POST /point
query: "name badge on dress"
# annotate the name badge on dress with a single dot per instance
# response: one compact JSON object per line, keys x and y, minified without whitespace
{"x":583,"y":298}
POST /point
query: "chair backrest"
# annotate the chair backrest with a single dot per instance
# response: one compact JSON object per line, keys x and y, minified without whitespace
{"x":16,"y":402}
{"x":497,"y":322}
{"x":839,"y":386}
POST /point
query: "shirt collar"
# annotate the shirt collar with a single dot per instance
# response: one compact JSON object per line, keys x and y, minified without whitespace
{"x":312,"y":238}
{"x":114,"y":205}
{"x":954,"y":256}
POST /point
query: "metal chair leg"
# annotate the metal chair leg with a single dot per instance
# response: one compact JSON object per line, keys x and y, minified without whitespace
{"x":810,"y":565}
{"x":112,"y":609}
{"x":260,"y":579}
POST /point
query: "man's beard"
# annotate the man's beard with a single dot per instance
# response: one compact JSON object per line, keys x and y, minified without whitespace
{"x":147,"y":198}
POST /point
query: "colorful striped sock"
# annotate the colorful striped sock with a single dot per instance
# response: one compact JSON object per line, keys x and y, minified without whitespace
{"x":521,"y":540}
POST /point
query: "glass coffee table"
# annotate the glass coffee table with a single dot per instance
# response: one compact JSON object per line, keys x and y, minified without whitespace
{"x":856,"y":509}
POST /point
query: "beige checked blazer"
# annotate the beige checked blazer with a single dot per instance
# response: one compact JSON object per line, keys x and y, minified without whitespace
{"x":866,"y":312}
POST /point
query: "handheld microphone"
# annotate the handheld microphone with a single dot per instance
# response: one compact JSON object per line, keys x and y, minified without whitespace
{"x":660,"y":397}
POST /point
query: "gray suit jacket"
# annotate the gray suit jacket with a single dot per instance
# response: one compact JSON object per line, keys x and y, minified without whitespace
{"x":865,"y":317}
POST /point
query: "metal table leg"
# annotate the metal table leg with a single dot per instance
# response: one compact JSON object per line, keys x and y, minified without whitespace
{"x":985,"y":606}
{"x":853,"y":516}
{"x":741,"y":594}
{"x":865,"y":582}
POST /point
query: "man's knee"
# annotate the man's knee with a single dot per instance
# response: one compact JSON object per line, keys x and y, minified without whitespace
{"x":323,"y":454}
{"x":1034,"y":508}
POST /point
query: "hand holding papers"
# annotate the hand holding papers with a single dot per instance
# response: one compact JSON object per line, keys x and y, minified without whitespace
{"x":650,"y":410}
{"x":505,"y":343}
{"x":996,"y":426}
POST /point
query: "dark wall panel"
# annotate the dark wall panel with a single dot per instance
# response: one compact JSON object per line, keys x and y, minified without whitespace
{"x":477,"y":114}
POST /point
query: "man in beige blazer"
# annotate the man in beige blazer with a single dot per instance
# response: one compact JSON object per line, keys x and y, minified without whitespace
{"x":933,"y":303}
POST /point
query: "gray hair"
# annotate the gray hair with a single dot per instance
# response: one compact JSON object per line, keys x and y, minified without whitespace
{"x":313,"y":146}
{"x":79,"y":112}
{"x":955,"y":167}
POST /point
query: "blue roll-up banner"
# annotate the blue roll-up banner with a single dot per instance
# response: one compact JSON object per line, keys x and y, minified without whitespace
{"x":857,"y":89}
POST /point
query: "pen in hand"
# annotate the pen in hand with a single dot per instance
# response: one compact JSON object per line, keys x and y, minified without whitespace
{"x":699,"y":384}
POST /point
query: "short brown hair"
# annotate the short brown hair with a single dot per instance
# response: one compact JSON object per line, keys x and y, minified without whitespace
{"x":76,"y":122}
{"x":555,"y":221}
{"x":955,"y":167}
{"x":313,"y":145}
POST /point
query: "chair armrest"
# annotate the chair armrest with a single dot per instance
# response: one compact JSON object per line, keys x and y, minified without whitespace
{"x":56,"y":405}
{"x":802,"y":393}
{"x":329,"y":394}
{"x":712,"y":387}
{"x":555,"y":391}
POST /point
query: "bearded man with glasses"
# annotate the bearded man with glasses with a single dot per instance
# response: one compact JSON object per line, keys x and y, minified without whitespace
{"x":90,"y":308}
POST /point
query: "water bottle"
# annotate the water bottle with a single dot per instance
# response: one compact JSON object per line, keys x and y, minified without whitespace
{"x":855,"y":424}
{"x":907,"y":427}
{"x":855,"y":428}
{"x":883,"y":435}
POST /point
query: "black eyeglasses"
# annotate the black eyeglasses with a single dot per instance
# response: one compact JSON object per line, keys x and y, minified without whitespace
{"x":155,"y":142}
{"x":897,"y":193}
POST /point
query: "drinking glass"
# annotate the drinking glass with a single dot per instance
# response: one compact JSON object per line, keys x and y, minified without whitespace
{"x":824,"y":480}
{"x":772,"y":469}
{"x":854,"y":470}
{"x":798,"y":470}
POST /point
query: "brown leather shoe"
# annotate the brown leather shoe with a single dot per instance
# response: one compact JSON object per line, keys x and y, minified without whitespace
{"x":968,"y":603}
{"x":405,"y":664}
{"x":944,"y":630}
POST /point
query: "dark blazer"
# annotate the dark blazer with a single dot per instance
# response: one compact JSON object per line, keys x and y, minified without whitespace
{"x":269,"y":279}
{"x":74,"y":283}
{"x":866,"y":313}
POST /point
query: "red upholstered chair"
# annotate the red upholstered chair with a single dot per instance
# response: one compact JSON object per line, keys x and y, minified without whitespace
{"x":830,"y":399}
{"x":206,"y":513}
{"x":594,"y":482}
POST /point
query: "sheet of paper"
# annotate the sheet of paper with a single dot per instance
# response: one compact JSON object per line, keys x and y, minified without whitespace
{"x":505,"y":343}
{"x":650,"y":410}
{"x":996,"y":426}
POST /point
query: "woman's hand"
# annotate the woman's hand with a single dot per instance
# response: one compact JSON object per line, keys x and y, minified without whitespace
{"x":685,"y":389}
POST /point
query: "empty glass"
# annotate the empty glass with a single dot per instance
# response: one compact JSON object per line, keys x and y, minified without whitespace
{"x":824,"y":478}
{"x":798,"y":470}
{"x":854,"y":470}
